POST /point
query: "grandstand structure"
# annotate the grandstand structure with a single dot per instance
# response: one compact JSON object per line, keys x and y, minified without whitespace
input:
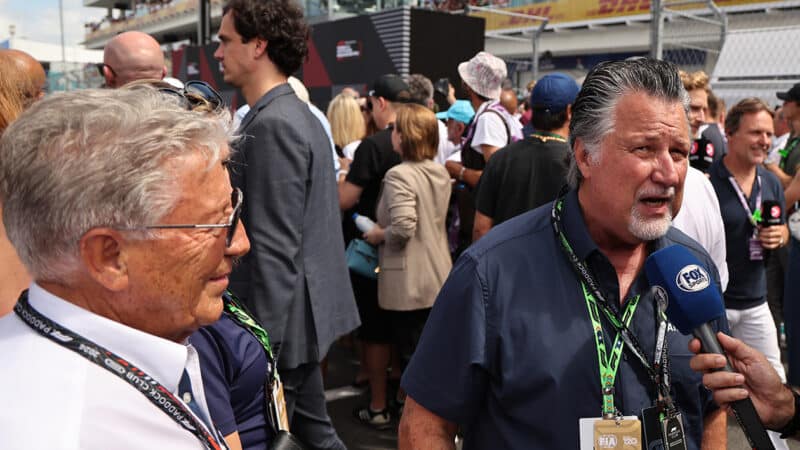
{"x":746,"y":45}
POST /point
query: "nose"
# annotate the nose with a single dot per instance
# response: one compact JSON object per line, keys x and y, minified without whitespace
{"x":701,"y":115}
{"x":667,"y":170}
{"x":766,"y":139}
{"x":218,"y":53}
{"x":240,"y":244}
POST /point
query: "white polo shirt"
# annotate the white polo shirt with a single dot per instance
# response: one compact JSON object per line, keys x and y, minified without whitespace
{"x":700,"y":218}
{"x":54,"y":399}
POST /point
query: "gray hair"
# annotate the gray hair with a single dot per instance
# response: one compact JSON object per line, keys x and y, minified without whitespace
{"x":96,"y":158}
{"x":594,"y":109}
{"x":421,"y":88}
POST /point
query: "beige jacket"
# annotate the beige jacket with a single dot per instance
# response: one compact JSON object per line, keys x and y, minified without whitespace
{"x":414,"y":257}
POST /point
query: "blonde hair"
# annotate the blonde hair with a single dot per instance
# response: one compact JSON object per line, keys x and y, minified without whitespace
{"x":12,"y":95}
{"x":694,"y":80}
{"x":347,"y":122}
{"x":419,"y":132}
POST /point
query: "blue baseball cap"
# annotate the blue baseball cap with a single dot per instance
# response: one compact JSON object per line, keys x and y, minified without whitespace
{"x":553,"y":92}
{"x":461,"y":111}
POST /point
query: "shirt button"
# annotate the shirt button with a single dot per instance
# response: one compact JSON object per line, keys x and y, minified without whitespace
{"x":187,"y":397}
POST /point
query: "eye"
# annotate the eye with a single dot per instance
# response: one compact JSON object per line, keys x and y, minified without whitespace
{"x":678,"y":154}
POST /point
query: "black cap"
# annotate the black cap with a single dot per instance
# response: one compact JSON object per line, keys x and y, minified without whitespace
{"x":392,"y":88}
{"x":792,"y":95}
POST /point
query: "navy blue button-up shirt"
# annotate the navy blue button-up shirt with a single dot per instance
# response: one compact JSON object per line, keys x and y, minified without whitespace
{"x":508,"y":351}
{"x":747,"y":287}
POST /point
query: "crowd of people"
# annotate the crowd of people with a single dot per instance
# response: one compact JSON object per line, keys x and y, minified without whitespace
{"x":485,"y":257}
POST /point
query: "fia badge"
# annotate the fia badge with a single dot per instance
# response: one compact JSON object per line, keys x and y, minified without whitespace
{"x":620,"y":434}
{"x":672,"y":429}
{"x":278,"y":405}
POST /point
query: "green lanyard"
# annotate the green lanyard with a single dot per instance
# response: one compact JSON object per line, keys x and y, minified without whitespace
{"x":787,"y":150}
{"x":608,"y":367}
{"x":240,"y":315}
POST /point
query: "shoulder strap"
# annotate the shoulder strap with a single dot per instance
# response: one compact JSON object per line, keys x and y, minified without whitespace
{"x":505,"y":124}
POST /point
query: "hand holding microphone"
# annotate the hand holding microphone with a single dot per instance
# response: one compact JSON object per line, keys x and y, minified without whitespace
{"x":694,"y":303}
{"x":773,"y":401}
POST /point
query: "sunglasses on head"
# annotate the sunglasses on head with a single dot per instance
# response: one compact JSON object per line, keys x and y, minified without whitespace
{"x":193,"y":91}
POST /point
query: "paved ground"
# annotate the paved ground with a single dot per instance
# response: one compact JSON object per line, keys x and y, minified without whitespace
{"x":343,"y":399}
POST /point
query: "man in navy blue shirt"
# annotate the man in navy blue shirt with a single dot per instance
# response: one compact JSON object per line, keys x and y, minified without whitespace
{"x":750,"y":198}
{"x":510,"y":353}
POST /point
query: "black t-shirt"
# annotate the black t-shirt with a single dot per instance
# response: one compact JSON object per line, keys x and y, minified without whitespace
{"x":373,"y":158}
{"x":521,"y":177}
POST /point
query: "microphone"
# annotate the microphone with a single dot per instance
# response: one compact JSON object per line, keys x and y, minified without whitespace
{"x":701,"y":154}
{"x":771,"y":213}
{"x":693,"y":302}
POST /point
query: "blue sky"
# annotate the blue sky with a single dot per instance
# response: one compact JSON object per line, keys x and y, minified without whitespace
{"x":38,"y":19}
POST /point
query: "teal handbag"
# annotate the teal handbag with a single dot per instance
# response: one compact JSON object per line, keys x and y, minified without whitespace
{"x":362,"y":258}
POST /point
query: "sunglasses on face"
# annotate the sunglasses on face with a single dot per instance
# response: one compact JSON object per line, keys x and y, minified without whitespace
{"x":237,"y":198}
{"x":101,"y":66}
{"x":194,"y":90}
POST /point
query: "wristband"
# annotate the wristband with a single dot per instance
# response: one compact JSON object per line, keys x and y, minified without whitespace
{"x":791,"y":428}
{"x":461,"y":173}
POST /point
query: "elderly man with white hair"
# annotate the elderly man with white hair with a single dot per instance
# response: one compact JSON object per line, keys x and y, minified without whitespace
{"x":120,"y":205}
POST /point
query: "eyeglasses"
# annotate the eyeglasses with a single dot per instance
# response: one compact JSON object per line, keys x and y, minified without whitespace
{"x":101,"y":66}
{"x":233,"y":221}
{"x":196,"y":89}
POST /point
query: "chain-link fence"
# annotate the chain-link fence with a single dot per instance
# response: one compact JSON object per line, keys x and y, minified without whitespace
{"x":690,"y":35}
{"x":759,"y":57}
{"x":747,"y":52}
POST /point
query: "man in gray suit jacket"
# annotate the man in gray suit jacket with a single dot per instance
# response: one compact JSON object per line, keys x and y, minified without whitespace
{"x":295,"y":277}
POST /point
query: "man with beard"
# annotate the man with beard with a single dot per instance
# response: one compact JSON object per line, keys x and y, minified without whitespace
{"x":745,"y":190}
{"x":513,"y":344}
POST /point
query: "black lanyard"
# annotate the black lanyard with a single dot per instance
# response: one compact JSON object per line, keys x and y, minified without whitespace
{"x":130,"y":373}
{"x":659,"y":370}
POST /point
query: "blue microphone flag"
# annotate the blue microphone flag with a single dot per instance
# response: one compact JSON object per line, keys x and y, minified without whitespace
{"x":692,"y":295}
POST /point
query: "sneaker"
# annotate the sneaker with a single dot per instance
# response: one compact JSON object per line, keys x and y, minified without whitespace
{"x":379,"y":420}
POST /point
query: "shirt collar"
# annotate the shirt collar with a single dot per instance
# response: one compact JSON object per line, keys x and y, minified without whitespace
{"x":574,"y":226}
{"x":485,"y":105}
{"x":160,"y":358}
{"x":275,"y":92}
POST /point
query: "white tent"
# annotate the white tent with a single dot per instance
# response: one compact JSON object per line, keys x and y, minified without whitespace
{"x":75,"y":71}
{"x":50,"y":53}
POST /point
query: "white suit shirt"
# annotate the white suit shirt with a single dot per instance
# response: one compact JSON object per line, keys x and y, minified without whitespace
{"x":54,"y":399}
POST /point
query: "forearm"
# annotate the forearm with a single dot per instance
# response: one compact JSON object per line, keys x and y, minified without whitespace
{"x":481,"y":226}
{"x":458,"y":172}
{"x":421,"y":429}
{"x":782,"y":176}
{"x":792,"y":192}
{"x":715,"y":433}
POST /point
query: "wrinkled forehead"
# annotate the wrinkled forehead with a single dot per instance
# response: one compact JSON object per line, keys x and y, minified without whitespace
{"x":651,"y":119}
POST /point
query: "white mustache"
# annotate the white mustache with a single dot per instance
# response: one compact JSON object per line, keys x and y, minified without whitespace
{"x":656,"y":191}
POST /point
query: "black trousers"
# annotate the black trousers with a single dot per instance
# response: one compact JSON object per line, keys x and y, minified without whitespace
{"x":306,"y":408}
